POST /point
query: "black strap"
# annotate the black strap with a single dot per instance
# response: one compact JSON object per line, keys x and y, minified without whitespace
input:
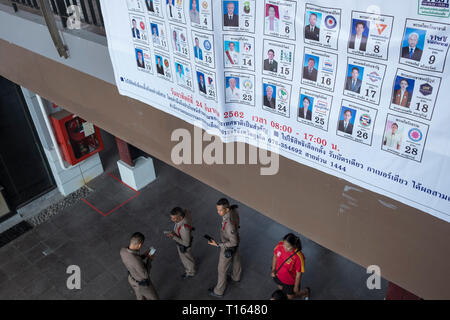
{"x":286,"y":260}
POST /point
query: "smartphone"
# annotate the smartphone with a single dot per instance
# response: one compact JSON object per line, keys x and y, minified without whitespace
{"x":209,"y":238}
{"x":152,"y":251}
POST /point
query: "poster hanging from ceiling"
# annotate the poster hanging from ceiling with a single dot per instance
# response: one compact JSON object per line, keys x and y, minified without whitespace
{"x":356,"y":89}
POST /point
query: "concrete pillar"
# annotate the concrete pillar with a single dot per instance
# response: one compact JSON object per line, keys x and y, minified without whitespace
{"x":138,"y":173}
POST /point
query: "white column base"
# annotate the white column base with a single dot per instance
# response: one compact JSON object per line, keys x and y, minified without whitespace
{"x":139,"y":176}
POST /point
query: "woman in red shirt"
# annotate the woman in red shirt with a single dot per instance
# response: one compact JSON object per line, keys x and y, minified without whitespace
{"x":288,"y":265}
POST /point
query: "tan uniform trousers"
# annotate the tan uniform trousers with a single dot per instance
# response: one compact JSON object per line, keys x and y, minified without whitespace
{"x":143,"y":292}
{"x":188,"y":261}
{"x":224,"y":264}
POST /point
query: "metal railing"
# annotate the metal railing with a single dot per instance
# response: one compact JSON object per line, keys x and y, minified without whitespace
{"x":90,"y":12}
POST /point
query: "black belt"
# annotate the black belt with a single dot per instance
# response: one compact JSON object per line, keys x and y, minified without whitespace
{"x":144,"y":283}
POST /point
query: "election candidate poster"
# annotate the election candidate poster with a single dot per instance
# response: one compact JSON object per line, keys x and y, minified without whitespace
{"x":356,"y":89}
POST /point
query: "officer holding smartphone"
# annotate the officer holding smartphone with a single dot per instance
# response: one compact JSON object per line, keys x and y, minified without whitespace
{"x":182,"y":235}
{"x":138,"y":266}
{"x":229,"y":247}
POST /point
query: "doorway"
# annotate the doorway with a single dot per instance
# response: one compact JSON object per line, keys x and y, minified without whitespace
{"x":24,"y":170}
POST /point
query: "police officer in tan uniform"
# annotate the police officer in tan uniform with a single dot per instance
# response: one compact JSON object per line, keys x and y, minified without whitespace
{"x":138,"y":267}
{"x":182,"y":235}
{"x":229,"y":247}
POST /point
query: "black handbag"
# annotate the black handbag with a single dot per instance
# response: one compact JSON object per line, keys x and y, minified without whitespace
{"x":183,"y":249}
{"x":229,"y":252}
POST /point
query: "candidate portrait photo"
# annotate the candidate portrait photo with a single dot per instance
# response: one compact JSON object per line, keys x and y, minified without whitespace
{"x":159,"y":65}
{"x":231,"y":53}
{"x":310,"y":71}
{"x":354,"y":79}
{"x":269,"y":92}
{"x":270,"y":64}
{"x":312,"y":29}
{"x":360,"y":35}
{"x":403,"y":91}
{"x":140,"y":58}
{"x":393,"y":136}
{"x":193,"y":12}
{"x":346,"y":120}
{"x":305,"y":107}
{"x":413,"y":44}
{"x":231,"y":13}
{"x":272,"y":18}
{"x":232,"y":92}
{"x":201,"y":82}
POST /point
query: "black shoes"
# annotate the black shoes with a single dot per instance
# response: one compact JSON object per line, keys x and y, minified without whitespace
{"x":213,"y":294}
{"x":231,"y":279}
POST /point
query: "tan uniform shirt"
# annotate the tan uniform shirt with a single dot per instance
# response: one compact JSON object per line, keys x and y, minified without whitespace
{"x":135,"y":264}
{"x":229,"y":235}
{"x":183,"y":231}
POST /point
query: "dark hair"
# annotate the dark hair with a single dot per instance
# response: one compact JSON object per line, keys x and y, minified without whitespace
{"x":270,"y":50}
{"x":223,"y":202}
{"x":293,"y":240}
{"x":361,"y":23}
{"x":134,"y":20}
{"x":348,"y":111}
{"x":313,"y":14}
{"x":306,"y":98}
{"x":279,"y":295}
{"x":272,"y":6}
{"x":355,"y":68}
{"x":312,"y":59}
{"x":394,"y":124}
{"x":403,"y":79}
{"x":137,"y":238}
{"x":177,"y":211}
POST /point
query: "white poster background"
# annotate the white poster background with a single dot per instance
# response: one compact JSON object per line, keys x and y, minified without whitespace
{"x":424,"y":185}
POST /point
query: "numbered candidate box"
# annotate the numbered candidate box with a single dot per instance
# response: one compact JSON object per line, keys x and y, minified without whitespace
{"x":201,"y":14}
{"x":138,"y":29}
{"x":154,"y":8}
{"x":239,"y":88}
{"x":370,"y":35}
{"x":175,"y":11}
{"x":163,"y":69}
{"x":239,"y":15}
{"x":203,"y":46}
{"x":319,"y":69}
{"x":404,"y":137}
{"x":239,"y":52}
{"x":364,"y":80}
{"x":279,"y":18}
{"x":356,"y":122}
{"x":425,"y":45}
{"x":322,"y":26}
{"x":143,"y":59}
{"x":314,"y":109}
{"x":179,"y":41}
{"x":159,"y":35}
{"x":183,"y":74}
{"x":278,"y":59}
{"x":135,"y":5}
{"x":415,"y":93}
{"x":276,"y":97}
{"x":206,"y":84}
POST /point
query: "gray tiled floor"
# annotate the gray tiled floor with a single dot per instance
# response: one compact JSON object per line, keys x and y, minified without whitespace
{"x":81,"y":236}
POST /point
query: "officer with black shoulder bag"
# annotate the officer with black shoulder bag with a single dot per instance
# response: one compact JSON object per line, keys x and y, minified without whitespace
{"x":229,"y":247}
{"x":182,"y":235}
